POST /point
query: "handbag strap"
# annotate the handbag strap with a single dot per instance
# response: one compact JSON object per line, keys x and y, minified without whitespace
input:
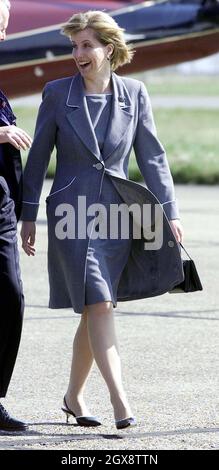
{"x":185,"y":250}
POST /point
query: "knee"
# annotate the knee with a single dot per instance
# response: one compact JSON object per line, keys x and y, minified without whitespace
{"x":101,"y":308}
{"x":84,"y":316}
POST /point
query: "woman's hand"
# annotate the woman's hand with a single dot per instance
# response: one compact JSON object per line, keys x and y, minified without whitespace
{"x":15,"y":136}
{"x":177,"y":229}
{"x":28,"y":232}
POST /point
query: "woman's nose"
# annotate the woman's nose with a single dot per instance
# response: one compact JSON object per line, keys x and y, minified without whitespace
{"x":77,"y":53}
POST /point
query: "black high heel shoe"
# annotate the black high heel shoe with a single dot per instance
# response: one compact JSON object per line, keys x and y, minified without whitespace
{"x":81,"y":420}
{"x":126,"y":422}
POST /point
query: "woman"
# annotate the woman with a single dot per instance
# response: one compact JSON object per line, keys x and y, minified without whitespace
{"x":94,"y":119}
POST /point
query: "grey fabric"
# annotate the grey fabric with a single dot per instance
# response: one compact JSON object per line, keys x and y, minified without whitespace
{"x":64,"y":122}
{"x":102,"y":272}
{"x":99,"y":107}
{"x":106,"y":258}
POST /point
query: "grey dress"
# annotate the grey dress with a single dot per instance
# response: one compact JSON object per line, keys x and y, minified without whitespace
{"x":106,"y":258}
{"x":64,"y":123}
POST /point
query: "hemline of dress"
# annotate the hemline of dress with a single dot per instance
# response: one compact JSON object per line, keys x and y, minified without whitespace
{"x":69,"y":305}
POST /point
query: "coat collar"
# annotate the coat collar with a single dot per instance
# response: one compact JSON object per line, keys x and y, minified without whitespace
{"x":80,"y":119}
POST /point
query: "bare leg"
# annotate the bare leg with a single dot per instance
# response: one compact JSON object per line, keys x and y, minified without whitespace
{"x":102,"y":336}
{"x":82,"y":361}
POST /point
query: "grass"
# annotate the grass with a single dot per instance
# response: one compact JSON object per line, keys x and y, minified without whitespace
{"x":190,"y":137}
{"x":170,"y":84}
{"x":191,"y":140}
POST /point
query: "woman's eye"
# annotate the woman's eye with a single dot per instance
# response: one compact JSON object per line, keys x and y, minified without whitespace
{"x":85,"y":46}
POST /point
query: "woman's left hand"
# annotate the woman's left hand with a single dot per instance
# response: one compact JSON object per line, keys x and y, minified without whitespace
{"x":177,"y":229}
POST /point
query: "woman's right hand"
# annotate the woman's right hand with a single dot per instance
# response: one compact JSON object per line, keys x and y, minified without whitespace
{"x":28,"y":232}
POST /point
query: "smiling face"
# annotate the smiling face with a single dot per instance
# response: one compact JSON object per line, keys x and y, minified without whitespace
{"x":91,"y":55}
{"x":4,"y":18}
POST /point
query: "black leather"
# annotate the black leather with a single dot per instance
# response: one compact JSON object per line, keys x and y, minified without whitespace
{"x":7,"y":423}
{"x":191,"y":282}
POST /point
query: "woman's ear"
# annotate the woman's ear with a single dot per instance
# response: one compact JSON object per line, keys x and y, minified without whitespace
{"x":110,"y":50}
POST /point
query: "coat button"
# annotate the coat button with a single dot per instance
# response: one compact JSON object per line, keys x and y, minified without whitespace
{"x":98,"y":166}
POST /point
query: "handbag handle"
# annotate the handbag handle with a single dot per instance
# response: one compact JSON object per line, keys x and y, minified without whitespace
{"x":185,"y":250}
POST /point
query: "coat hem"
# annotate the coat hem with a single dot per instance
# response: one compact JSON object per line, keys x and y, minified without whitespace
{"x":127,"y":298}
{"x":53,"y":307}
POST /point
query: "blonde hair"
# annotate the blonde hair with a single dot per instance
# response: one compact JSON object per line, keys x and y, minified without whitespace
{"x":107,"y":32}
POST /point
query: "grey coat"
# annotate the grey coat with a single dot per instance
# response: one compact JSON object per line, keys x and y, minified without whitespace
{"x":63,"y":122}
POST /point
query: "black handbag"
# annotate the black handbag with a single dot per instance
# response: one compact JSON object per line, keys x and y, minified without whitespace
{"x":191,"y":282}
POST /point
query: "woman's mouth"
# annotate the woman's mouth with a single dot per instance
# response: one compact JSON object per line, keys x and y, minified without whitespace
{"x":83,"y":65}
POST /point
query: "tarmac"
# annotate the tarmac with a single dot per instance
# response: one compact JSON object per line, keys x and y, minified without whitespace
{"x":168,"y":346}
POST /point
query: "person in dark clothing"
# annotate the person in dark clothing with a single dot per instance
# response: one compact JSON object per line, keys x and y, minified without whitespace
{"x":12,"y":139}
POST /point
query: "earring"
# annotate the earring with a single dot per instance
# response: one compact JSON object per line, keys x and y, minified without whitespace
{"x":108,"y":57}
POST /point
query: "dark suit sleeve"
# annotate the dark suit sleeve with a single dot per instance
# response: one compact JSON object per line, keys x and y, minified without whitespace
{"x":151,"y":158}
{"x":11,"y":170}
{"x":39,"y":155}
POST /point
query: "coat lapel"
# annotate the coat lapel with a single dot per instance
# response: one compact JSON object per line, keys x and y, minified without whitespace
{"x":120,"y":116}
{"x":80,"y":120}
{"x":79,"y":116}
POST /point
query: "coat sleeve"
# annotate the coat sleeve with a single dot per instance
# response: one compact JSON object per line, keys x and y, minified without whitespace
{"x":39,"y":155}
{"x":151,"y":158}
